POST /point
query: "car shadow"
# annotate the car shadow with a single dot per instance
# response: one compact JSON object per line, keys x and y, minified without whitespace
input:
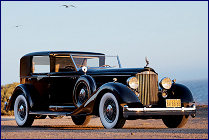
{"x":99,"y":129}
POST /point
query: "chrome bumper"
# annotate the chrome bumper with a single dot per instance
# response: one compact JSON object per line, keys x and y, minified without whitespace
{"x":127,"y":112}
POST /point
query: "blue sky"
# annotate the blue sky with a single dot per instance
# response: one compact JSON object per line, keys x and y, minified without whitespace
{"x":173,"y":35}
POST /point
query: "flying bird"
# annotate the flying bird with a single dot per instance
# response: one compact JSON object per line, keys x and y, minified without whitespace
{"x":67,"y":6}
{"x":73,"y":6}
{"x":18,"y":26}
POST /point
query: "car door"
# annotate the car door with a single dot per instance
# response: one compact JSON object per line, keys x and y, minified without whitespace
{"x":40,"y":80}
{"x":62,"y":80}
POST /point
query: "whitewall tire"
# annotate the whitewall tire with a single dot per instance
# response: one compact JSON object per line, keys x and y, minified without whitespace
{"x":111,"y":114}
{"x":21,"y":112}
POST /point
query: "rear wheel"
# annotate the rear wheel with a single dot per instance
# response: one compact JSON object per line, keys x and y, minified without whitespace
{"x":81,"y":120}
{"x":21,"y":112}
{"x":110,"y":112}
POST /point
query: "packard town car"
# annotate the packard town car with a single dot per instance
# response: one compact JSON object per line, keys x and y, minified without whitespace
{"x":82,"y":84}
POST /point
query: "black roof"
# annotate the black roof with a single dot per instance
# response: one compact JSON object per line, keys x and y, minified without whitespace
{"x":60,"y":52}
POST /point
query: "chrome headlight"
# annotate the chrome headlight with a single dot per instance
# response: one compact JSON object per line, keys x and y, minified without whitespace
{"x":166,"y":83}
{"x":133,"y":82}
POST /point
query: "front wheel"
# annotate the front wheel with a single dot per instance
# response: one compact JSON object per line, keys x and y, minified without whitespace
{"x":175,"y":121}
{"x":21,"y":112}
{"x":81,"y":120}
{"x":111,"y":114}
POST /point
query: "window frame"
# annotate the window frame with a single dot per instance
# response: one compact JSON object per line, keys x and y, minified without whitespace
{"x":53,"y":62}
{"x":40,"y":73}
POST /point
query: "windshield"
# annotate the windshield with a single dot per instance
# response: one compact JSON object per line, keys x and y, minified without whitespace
{"x":96,"y":61}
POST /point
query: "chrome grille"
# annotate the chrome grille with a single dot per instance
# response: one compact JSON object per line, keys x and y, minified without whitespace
{"x":148,"y":87}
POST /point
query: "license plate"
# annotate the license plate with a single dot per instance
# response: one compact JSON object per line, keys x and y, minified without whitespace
{"x":173,"y":102}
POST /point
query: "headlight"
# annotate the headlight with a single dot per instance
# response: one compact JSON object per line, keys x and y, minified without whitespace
{"x":166,"y":83}
{"x":133,"y":82}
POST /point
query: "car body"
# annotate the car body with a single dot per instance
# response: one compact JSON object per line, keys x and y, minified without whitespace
{"x":82,"y":84}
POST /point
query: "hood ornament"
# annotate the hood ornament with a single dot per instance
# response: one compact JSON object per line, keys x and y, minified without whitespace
{"x":146,"y":61}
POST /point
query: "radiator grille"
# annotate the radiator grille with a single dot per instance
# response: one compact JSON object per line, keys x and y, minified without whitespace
{"x":148,"y":87}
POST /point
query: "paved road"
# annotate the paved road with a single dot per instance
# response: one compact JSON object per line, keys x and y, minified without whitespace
{"x":196,"y":128}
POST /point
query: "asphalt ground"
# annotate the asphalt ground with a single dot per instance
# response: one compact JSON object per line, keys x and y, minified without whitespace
{"x":196,"y":128}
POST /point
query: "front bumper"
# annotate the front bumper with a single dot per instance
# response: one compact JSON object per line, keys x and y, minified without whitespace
{"x":131,"y":112}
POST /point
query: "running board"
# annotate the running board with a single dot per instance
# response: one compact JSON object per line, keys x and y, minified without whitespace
{"x":62,"y":107}
{"x":54,"y":113}
{"x":49,"y":113}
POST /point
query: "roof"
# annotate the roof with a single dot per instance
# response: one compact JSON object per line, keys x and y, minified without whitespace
{"x":60,"y":52}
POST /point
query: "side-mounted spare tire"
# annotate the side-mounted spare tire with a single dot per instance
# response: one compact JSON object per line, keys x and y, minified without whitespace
{"x":83,"y":89}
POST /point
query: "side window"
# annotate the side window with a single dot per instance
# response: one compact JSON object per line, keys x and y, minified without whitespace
{"x":93,"y":62}
{"x":40,"y":64}
{"x":64,"y":63}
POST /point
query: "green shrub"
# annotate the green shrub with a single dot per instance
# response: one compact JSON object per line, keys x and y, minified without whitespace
{"x":6,"y":92}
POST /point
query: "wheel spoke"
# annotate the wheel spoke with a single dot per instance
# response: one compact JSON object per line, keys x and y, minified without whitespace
{"x":109,"y":110}
{"x":21,"y":110}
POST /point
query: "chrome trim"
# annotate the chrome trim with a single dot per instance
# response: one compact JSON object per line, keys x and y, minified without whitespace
{"x":158,"y":111}
{"x":76,"y":68}
{"x":148,"y":87}
{"x":147,"y":72}
{"x":48,"y":113}
{"x":63,"y":107}
{"x":119,"y":62}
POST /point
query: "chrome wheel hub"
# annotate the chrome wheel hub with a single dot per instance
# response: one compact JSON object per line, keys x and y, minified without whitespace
{"x":21,"y":110}
{"x":82,"y":93}
{"x":109,"y":110}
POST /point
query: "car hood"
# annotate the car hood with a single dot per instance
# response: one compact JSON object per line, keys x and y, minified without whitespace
{"x":116,"y":71}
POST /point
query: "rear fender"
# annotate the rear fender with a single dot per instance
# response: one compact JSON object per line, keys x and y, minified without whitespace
{"x":25,"y":89}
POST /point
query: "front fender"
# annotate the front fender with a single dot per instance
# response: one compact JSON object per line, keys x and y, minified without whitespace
{"x":124,"y":94}
{"x":122,"y":91}
{"x":24,"y":89}
{"x":180,"y":91}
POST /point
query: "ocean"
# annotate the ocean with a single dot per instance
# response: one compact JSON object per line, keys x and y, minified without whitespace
{"x":199,"y":89}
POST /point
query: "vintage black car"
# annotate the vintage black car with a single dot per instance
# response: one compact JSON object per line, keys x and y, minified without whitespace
{"x":82,"y":84}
